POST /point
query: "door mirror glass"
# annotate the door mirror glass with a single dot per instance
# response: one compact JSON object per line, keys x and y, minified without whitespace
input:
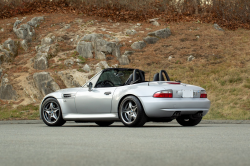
{"x":90,"y":85}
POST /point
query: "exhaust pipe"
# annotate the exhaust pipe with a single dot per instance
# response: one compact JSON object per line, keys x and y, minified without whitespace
{"x":176,"y":114}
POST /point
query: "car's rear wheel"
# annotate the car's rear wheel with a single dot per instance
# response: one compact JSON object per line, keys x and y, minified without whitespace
{"x":51,"y":113}
{"x":131,"y":112}
{"x":187,"y":121}
{"x":104,"y":124}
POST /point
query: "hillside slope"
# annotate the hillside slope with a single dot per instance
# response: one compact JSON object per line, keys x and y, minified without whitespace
{"x":221,"y":61}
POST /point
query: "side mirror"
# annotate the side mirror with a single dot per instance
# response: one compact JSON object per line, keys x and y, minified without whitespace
{"x":89,"y":85}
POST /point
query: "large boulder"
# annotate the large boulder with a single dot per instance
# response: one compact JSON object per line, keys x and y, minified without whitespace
{"x":73,"y":78}
{"x":151,"y":39}
{"x":25,"y":31}
{"x":131,"y":32}
{"x":162,"y":33}
{"x":45,"y":83}
{"x":7,"y":92}
{"x":9,"y":49}
{"x":44,"y":52}
{"x":123,"y":60}
{"x":138,"y":45}
{"x":41,"y":61}
{"x":85,"y":49}
{"x":34,"y":22}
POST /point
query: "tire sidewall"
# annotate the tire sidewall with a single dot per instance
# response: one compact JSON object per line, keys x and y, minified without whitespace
{"x":140,"y":111}
{"x":60,"y":120}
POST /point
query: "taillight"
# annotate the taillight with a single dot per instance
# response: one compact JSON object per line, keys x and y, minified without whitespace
{"x":164,"y":94}
{"x":173,"y":82}
{"x":203,"y":94}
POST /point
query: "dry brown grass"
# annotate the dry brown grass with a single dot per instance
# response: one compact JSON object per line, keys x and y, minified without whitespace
{"x":221,"y":65}
{"x":229,"y":13}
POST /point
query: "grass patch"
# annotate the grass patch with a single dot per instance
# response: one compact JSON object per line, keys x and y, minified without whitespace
{"x":27,"y":112}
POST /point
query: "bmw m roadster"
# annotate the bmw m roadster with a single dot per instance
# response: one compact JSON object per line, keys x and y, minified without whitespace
{"x":121,"y":94}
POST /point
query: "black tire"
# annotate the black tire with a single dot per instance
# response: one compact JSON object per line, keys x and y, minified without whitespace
{"x":48,"y":119}
{"x":135,"y":117}
{"x":187,"y":121}
{"x":104,"y":124}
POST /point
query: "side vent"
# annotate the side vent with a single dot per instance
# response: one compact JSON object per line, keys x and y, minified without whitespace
{"x":66,"y":95}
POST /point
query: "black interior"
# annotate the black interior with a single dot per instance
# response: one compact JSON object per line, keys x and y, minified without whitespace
{"x":159,"y":76}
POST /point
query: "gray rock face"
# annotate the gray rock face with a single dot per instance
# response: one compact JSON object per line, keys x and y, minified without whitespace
{"x":216,"y":26}
{"x":69,"y":62}
{"x":45,"y":83}
{"x":162,"y":33}
{"x":138,"y":45}
{"x":7,"y":92}
{"x":116,"y":50}
{"x":24,"y":45}
{"x":34,"y":22}
{"x":151,"y":39}
{"x":11,"y":46}
{"x":104,"y":64}
{"x":190,"y":58}
{"x":47,"y":41}
{"x":92,"y":37}
{"x":128,"y":53}
{"x":124,"y":60}
{"x":86,"y":68}
{"x":44,"y":52}
{"x":41,"y":62}
{"x":131,"y":32}
{"x":154,"y":22}
{"x":85,"y":49}
{"x":8,"y":50}
{"x":24,"y":32}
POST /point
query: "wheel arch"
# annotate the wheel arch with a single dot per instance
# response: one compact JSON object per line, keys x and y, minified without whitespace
{"x":124,"y":98}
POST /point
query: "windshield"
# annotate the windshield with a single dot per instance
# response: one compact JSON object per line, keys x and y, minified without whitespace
{"x":114,"y":77}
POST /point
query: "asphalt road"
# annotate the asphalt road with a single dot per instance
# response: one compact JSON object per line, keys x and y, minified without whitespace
{"x":152,"y":145}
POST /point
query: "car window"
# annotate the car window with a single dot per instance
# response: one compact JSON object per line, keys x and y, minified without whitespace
{"x":116,"y":77}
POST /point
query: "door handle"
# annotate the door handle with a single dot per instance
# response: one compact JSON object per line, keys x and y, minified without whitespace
{"x":107,"y":93}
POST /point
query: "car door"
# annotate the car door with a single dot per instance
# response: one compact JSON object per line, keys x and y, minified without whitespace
{"x":96,"y":101}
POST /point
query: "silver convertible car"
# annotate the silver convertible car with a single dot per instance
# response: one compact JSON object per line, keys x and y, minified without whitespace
{"x":120,"y":94}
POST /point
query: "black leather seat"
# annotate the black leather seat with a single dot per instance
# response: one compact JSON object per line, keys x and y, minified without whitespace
{"x":157,"y":77}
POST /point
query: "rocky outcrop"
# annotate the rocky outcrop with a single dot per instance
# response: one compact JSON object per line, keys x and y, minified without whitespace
{"x":154,"y":21}
{"x":94,"y":43}
{"x":162,"y":33}
{"x":45,"y":83}
{"x":124,"y":60}
{"x":85,"y":49}
{"x":8,"y":50}
{"x":34,"y":22}
{"x":131,"y":32}
{"x":86,"y":68}
{"x":138,"y":45}
{"x":26,"y":31}
{"x":7,"y":92}
{"x":41,"y":62}
{"x":151,"y":39}
{"x":73,"y":78}
{"x":190,"y":58}
{"x":45,"y":52}
{"x":217,"y":27}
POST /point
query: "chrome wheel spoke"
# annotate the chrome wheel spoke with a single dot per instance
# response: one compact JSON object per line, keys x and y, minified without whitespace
{"x":51,"y":112}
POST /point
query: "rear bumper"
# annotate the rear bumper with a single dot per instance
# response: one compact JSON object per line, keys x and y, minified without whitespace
{"x":165,"y":107}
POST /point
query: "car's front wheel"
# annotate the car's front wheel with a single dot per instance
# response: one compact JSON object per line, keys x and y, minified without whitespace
{"x":51,"y":113}
{"x":131,"y":112}
{"x":187,"y":121}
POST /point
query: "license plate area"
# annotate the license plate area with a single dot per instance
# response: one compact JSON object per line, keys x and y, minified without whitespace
{"x":187,"y":93}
